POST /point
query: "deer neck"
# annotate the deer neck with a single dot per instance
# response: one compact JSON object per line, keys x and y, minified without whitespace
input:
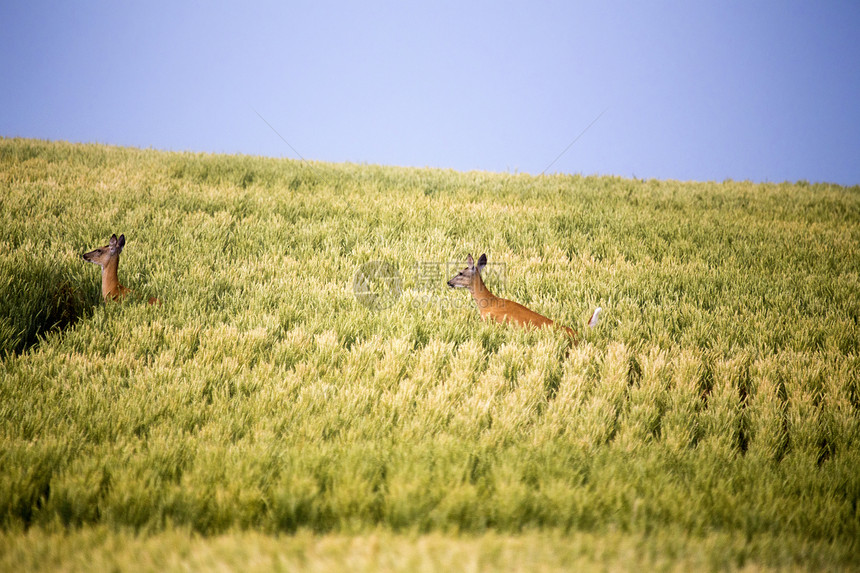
{"x":110,"y":282}
{"x":480,"y":292}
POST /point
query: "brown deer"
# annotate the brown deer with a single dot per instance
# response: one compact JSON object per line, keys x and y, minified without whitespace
{"x":501,"y":309}
{"x":107,"y":258}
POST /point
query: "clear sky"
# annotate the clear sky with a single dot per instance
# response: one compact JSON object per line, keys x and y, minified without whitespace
{"x":693,"y":90}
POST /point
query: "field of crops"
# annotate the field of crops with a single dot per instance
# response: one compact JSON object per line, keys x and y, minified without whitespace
{"x":266,"y":415}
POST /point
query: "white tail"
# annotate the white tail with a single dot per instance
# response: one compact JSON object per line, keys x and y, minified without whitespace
{"x":592,"y":322}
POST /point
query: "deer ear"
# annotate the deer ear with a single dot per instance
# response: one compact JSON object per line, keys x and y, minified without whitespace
{"x":482,"y":262}
{"x":470,"y":261}
{"x":116,"y":245}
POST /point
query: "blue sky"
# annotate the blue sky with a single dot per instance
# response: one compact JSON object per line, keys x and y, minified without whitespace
{"x":765,"y":91}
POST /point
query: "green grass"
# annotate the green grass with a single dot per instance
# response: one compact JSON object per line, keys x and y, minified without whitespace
{"x":711,"y":420}
{"x":102,"y":549}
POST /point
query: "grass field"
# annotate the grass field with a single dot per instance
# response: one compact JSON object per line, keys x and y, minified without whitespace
{"x":263,"y":416}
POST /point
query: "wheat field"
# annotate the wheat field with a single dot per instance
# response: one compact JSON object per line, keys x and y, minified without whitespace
{"x":279,"y":409}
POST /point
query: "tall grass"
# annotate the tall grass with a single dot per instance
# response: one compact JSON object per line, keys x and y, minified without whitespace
{"x":718,"y":396}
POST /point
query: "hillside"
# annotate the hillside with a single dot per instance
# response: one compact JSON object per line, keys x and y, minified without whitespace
{"x":709,"y":421}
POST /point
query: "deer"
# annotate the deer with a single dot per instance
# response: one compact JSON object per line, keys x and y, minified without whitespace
{"x":107,"y":258}
{"x":501,"y":309}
